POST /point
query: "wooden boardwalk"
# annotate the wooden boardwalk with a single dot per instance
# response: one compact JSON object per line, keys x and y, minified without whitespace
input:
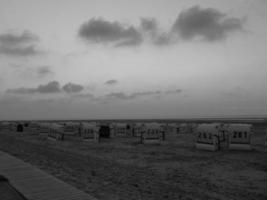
{"x":35,"y":184}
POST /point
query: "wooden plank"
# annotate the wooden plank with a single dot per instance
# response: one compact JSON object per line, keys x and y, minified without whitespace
{"x":35,"y":183}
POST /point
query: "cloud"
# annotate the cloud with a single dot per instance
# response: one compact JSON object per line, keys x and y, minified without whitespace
{"x":147,"y":93}
{"x":177,"y":91}
{"x":22,"y":90}
{"x":164,"y":39}
{"x":44,"y":70}
{"x":208,"y":24}
{"x":149,"y":24}
{"x":51,"y":87}
{"x":150,"y":29}
{"x":12,"y":39}
{"x":72,"y":88}
{"x":85,"y":95}
{"x":111,"y":82}
{"x":124,"y":96}
{"x":105,"y":32}
{"x":102,"y":31}
{"x":18,"y":51}
{"x":32,"y":71}
{"x":24,"y":44}
{"x":118,"y":95}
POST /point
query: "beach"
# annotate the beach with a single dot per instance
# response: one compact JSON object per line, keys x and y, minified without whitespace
{"x":122,"y":168}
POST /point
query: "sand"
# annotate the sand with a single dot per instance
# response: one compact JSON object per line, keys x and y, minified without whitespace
{"x":121,"y":168}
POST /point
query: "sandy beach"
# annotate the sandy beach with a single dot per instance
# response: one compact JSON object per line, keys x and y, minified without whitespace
{"x":121,"y":168}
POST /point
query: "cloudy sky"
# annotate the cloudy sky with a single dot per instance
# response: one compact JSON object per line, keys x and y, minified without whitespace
{"x":132,"y":59}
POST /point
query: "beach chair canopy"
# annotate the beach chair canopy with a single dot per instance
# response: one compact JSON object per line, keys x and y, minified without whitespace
{"x":90,"y":125}
{"x":153,"y":125}
{"x":56,"y":126}
{"x":208,"y":128}
{"x":240,"y":127}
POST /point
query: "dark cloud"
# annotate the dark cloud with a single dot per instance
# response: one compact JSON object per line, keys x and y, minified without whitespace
{"x":102,"y":31}
{"x":44,"y":70}
{"x":164,"y":39}
{"x":208,"y":24}
{"x":124,"y":96}
{"x":147,"y":93}
{"x":149,"y":24}
{"x":118,"y":95}
{"x":18,"y":51}
{"x":51,"y":87}
{"x":16,"y":39}
{"x":28,"y":72}
{"x":177,"y":91}
{"x":22,"y":90}
{"x":72,"y":88}
{"x":111,"y":82}
{"x":85,"y":95}
{"x":150,"y":29}
{"x":23,"y":44}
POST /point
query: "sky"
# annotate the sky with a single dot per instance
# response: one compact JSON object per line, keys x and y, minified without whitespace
{"x":96,"y":59}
